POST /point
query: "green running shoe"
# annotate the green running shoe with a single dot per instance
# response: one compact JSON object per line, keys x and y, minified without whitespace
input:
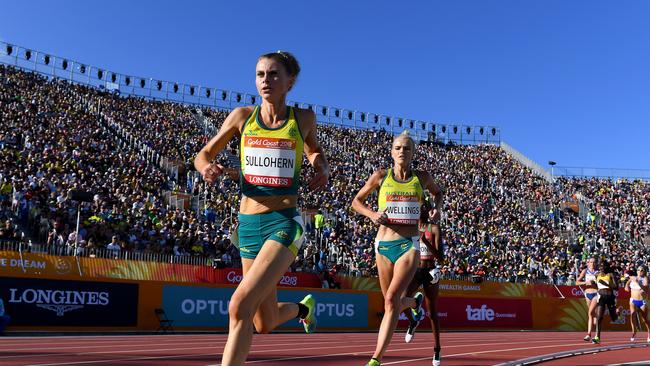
{"x":418,"y":312}
{"x":309,"y":322}
{"x":418,"y":316}
{"x":373,"y":362}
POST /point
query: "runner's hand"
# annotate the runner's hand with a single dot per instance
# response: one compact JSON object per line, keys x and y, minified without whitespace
{"x":434,"y":215}
{"x":211,"y":172}
{"x":379,"y":218}
{"x":320,"y":180}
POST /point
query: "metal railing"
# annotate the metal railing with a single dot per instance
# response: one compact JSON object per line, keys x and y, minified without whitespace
{"x":69,"y":250}
{"x":611,"y":173}
{"x":216,"y":98}
{"x":533,"y":166}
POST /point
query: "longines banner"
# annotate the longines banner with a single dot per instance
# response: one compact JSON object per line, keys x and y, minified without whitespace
{"x":69,"y":303}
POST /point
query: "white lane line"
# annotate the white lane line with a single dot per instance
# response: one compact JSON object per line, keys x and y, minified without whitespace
{"x":149,"y":349}
{"x":481,"y":352}
{"x":44,"y":341}
{"x":302,"y":337}
{"x":126,"y":359}
{"x":149,"y":344}
{"x":369,"y":352}
{"x":646,"y":362}
{"x":182,"y":355}
{"x":143,"y":338}
{"x":86,"y":346}
{"x":252,"y":352}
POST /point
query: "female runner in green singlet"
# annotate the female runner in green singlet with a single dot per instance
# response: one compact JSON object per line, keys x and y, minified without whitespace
{"x":401,"y":194}
{"x":273,"y":139}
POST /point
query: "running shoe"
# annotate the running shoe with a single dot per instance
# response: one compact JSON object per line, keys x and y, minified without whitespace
{"x":596,"y":340}
{"x":436,"y":358}
{"x":631,"y":339}
{"x":309,"y":322}
{"x":417,"y":310}
{"x":587,"y":338}
{"x":373,"y":362}
{"x":410,"y":331}
{"x":648,"y":340}
{"x":418,"y":315}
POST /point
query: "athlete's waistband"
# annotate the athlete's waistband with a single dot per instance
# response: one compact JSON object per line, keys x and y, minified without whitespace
{"x":396,"y":241}
{"x":286,"y":213}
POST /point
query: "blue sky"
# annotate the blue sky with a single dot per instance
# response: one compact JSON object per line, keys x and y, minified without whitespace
{"x":564,"y":80}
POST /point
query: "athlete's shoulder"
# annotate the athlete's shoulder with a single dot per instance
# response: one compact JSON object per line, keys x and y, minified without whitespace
{"x":246,"y":110}
{"x":236,"y":119}
{"x":306,"y":121}
{"x":421,"y":174}
{"x":378,"y":176}
{"x":241,"y":114}
{"x":304,"y":115}
{"x":381,"y":172}
{"x":424,"y":177}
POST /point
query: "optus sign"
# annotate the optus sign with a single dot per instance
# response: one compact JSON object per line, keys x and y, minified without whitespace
{"x":192,"y":306}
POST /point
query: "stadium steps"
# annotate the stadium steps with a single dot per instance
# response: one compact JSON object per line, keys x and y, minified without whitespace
{"x":528,"y":163}
{"x":584,"y":205}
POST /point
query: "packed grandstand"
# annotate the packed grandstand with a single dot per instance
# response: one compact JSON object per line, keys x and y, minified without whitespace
{"x":501,"y":221}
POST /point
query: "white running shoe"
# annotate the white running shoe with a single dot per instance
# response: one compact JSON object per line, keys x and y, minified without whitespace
{"x":410,"y":331}
{"x":587,"y":338}
{"x":632,"y":339}
{"x":436,"y":358}
{"x":418,"y":315}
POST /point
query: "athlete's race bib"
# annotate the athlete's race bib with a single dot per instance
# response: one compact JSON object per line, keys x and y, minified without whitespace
{"x":403,"y":209}
{"x":269,"y":161}
{"x":425,"y":253}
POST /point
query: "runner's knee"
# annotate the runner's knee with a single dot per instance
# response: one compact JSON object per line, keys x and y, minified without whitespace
{"x":241,"y":307}
{"x":392,"y":301}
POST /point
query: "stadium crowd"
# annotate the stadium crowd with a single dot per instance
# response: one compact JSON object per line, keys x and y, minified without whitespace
{"x":57,"y":137}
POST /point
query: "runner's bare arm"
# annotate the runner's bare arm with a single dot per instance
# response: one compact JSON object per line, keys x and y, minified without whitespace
{"x":358,"y":202}
{"x":436,"y":191}
{"x":580,"y":280}
{"x":313,"y":150}
{"x":231,"y":126}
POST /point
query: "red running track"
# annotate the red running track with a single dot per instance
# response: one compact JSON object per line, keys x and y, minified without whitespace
{"x":315,"y":349}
